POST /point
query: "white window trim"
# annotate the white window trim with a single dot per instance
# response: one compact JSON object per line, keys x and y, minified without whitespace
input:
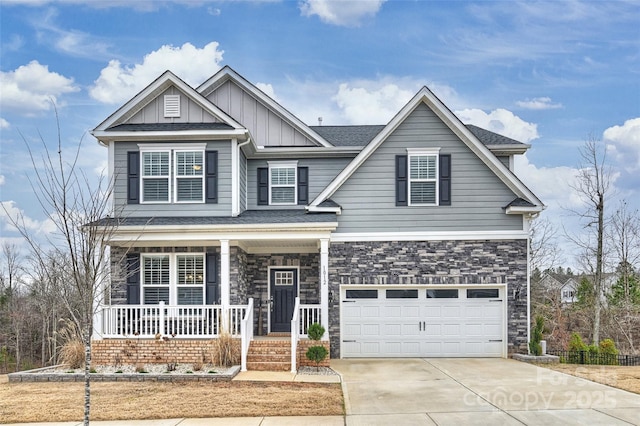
{"x":284,"y":165}
{"x":143,"y":177}
{"x":176,"y":177}
{"x":421,"y":152}
{"x":173,"y":276}
{"x":173,"y":198}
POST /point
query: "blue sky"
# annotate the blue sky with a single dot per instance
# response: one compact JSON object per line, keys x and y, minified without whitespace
{"x":550,"y":74}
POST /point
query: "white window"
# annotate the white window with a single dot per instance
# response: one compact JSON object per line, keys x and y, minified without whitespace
{"x":423,"y":177}
{"x":155,"y":176}
{"x":176,"y":279}
{"x":283,"y":278}
{"x":189,"y":172}
{"x":283,"y":183}
{"x":172,"y":175}
{"x":171,"y":106}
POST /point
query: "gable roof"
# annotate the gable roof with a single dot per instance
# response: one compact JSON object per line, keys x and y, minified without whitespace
{"x":115,"y":125}
{"x":227,"y":73}
{"x":463,"y":132}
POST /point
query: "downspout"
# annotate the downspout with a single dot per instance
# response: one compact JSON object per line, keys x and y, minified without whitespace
{"x":235,"y":208}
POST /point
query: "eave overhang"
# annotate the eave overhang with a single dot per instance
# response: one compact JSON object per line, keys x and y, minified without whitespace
{"x":106,"y":136}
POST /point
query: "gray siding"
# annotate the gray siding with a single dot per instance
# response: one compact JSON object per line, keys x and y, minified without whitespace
{"x":222,"y":208}
{"x":190,"y":112}
{"x":504,"y":160}
{"x":266,"y":127}
{"x":478,"y":196}
{"x":321,"y":173}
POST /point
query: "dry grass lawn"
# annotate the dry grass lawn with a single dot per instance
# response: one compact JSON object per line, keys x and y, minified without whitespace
{"x":627,"y":378}
{"x":40,"y":402}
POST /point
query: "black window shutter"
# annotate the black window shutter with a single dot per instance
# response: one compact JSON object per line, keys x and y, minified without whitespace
{"x":402,"y":182}
{"x":133,"y":177}
{"x":303,"y":185}
{"x":263,"y":186}
{"x":212,"y":288}
{"x":211,"y":177}
{"x":445,"y":179}
{"x":133,"y":278}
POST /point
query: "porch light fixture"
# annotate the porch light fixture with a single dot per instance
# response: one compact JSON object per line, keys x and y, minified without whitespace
{"x":330,"y":296}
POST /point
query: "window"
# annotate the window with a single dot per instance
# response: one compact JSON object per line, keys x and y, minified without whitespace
{"x":173,"y":278}
{"x":175,"y":175}
{"x":155,"y":176}
{"x":448,"y":293}
{"x":482,"y":293}
{"x":282,"y":179}
{"x":189,"y":176}
{"x":402,"y":294}
{"x":284,"y":278}
{"x":423,"y":178}
{"x":362,"y":294}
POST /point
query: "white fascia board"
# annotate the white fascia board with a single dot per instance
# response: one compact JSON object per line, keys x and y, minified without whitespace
{"x":318,"y":209}
{"x":429,"y":236}
{"x":228,"y":73}
{"x":261,"y":152}
{"x":107,"y":136}
{"x":508,"y":149}
{"x":147,"y":94}
{"x":523,"y":210}
{"x":450,"y":119}
{"x":178,"y":236}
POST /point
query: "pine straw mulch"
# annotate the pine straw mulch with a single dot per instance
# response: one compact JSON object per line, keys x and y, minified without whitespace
{"x":64,"y":401}
{"x":627,"y":378}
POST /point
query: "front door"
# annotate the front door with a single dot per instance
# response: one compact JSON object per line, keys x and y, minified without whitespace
{"x":284,"y":289}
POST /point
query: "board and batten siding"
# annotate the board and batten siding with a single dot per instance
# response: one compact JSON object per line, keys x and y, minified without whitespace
{"x":368,"y":197}
{"x":190,"y":112}
{"x":266,"y":127}
{"x":321,"y":172}
{"x":222,"y":208}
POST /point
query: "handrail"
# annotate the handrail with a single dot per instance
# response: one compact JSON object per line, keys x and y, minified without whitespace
{"x":246,"y":333}
{"x":295,"y":332}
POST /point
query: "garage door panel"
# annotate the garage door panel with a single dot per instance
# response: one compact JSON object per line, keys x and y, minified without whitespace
{"x":428,"y":327}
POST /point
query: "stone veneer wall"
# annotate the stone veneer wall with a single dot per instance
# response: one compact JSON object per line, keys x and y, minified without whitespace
{"x":257,"y":269}
{"x":238,"y":280}
{"x":152,"y":351}
{"x":433,"y":262}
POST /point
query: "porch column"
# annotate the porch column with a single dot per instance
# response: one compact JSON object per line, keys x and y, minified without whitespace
{"x":324,"y":286}
{"x":224,"y":283}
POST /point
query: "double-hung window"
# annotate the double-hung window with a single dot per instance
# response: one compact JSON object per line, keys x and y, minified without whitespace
{"x":282,"y":179}
{"x":423,"y":177}
{"x":176,"y":279}
{"x":172,"y":176}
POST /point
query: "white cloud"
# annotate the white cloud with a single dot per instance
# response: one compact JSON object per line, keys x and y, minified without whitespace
{"x":32,"y":87}
{"x":2,"y":180}
{"x":10,"y":213}
{"x":268,"y":90}
{"x":539,"y":104}
{"x":4,"y":124}
{"x":624,"y":142}
{"x":346,"y":13}
{"x":118,"y":83}
{"x":501,"y":121}
{"x":362,"y":105}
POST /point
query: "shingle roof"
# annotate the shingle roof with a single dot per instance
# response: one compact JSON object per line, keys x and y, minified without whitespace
{"x":519,"y":202}
{"x":362,"y":135}
{"x":249,"y":217}
{"x":168,"y":127}
{"x":348,"y":135}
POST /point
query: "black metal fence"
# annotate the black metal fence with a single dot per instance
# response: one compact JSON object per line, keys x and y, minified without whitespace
{"x":587,"y":357}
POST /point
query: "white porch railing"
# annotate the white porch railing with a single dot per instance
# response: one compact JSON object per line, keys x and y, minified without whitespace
{"x":246,"y":334}
{"x":308,"y":314}
{"x":183,"y":321}
{"x":295,"y":333}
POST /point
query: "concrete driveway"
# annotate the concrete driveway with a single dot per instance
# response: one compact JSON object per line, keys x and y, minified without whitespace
{"x":460,"y":392}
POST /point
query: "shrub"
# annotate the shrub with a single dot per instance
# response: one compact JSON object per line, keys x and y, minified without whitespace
{"x":315,"y":331}
{"x":536,"y":336}
{"x":576,"y":343}
{"x":317,"y":354}
{"x":72,"y":354}
{"x":224,"y":351}
{"x":608,"y":352}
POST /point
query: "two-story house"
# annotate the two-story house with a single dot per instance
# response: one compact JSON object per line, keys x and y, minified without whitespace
{"x":230,"y":214}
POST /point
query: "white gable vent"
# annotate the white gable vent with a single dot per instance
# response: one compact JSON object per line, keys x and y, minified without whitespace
{"x":172,"y":105}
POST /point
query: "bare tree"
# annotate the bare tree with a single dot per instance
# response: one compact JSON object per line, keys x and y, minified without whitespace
{"x":79,"y":243}
{"x":593,"y":186}
{"x":11,"y":302}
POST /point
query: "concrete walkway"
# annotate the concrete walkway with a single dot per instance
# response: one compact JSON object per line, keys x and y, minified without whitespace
{"x":482,"y":391}
{"x":444,"y":392}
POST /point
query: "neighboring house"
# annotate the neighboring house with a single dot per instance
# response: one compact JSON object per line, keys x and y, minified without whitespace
{"x":569,"y":291}
{"x":566,"y":286}
{"x":230,"y":213}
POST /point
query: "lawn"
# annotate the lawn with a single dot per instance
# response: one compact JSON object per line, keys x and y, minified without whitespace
{"x":55,"y":401}
{"x":627,"y":378}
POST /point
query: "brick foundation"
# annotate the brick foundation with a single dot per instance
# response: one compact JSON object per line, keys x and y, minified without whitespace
{"x":305,"y":344}
{"x":152,"y":351}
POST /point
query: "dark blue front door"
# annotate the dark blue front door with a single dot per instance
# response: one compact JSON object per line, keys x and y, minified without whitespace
{"x":284,"y":289}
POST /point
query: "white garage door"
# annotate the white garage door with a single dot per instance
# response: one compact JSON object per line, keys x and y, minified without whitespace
{"x":422,"y":322}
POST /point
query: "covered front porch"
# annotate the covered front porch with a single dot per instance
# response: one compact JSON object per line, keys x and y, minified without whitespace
{"x":248,"y":284}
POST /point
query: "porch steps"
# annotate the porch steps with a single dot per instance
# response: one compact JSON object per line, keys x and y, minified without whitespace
{"x":269,"y":355}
